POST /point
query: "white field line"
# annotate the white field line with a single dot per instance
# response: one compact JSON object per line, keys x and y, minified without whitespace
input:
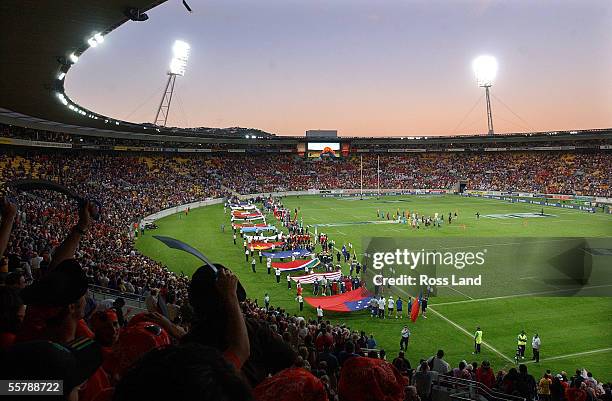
{"x":523,"y":295}
{"x":470,"y":334}
{"x":450,"y":287}
{"x":463,"y":330}
{"x":532,"y":241}
{"x":553,"y":358}
{"x":539,"y":280}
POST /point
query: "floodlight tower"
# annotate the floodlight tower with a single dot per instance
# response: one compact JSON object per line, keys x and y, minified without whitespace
{"x":485,"y":68}
{"x":180,"y":55}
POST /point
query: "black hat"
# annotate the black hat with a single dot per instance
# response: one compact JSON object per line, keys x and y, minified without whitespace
{"x":202,"y":294}
{"x":73,"y":363}
{"x":63,"y":286}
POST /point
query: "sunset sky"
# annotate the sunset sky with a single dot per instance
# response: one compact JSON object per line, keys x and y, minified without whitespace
{"x":365,"y":68}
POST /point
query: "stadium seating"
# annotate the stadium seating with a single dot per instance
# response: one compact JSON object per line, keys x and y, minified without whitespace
{"x":131,"y":186}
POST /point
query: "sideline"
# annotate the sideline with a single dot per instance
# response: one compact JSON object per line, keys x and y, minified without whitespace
{"x":463,"y":330}
{"x":529,"y":294}
{"x":554,"y":358}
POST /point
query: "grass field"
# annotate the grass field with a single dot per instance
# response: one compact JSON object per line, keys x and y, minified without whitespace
{"x":575,"y":331}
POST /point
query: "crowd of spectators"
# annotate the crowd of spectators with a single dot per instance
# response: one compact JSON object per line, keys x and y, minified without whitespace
{"x":133,"y":186}
{"x":221,"y":346}
{"x":583,"y":173}
{"x":129,"y":189}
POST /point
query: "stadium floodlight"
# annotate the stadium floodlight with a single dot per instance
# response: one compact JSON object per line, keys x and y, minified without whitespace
{"x":95,"y":40}
{"x":180,"y":55}
{"x":62,"y":98}
{"x":485,"y":69}
{"x":73,"y":58}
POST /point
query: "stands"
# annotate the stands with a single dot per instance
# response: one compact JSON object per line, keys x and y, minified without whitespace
{"x":132,"y":186}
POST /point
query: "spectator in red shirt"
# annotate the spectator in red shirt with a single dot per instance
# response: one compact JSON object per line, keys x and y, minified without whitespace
{"x":485,"y":375}
{"x":324,"y":338}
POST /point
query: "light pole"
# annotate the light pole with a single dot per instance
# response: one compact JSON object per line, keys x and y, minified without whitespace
{"x":180,"y":55}
{"x":485,"y":69}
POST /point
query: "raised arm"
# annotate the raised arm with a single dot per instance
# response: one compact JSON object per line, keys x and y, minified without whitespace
{"x":172,"y":329}
{"x":68,"y":247}
{"x":239,"y":345}
{"x":9,"y":211}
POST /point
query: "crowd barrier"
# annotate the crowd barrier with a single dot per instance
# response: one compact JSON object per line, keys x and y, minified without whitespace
{"x":134,"y":301}
{"x":453,"y":388}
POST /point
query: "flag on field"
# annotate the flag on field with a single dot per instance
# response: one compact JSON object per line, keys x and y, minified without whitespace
{"x":414,"y":313}
{"x":263,"y":246}
{"x":299,"y":264}
{"x":298,"y":253}
{"x":310,"y":278}
{"x":350,"y":301}
{"x":257,"y":229}
{"x":242,"y":225}
{"x":246,"y":215}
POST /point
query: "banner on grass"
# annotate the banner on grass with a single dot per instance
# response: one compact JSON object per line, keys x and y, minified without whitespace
{"x":242,"y":225}
{"x":297,"y":264}
{"x":246,"y":215}
{"x":257,"y":229}
{"x":310,"y":278}
{"x":298,"y":253}
{"x":264,"y":246}
{"x":350,"y":301}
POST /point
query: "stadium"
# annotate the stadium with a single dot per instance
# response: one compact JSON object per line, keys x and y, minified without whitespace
{"x":145,"y":261}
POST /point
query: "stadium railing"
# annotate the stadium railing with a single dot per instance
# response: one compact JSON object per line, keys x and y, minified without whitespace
{"x":453,"y":388}
{"x":99,"y":293}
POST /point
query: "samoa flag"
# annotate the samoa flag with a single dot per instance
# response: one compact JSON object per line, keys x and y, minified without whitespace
{"x":350,"y":301}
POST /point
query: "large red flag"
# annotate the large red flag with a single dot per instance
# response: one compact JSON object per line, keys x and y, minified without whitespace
{"x":414,"y":312}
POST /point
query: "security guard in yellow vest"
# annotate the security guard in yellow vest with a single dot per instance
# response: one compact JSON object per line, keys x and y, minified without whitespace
{"x":522,"y":343}
{"x":477,"y":340}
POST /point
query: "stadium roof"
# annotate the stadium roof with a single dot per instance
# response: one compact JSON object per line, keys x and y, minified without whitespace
{"x":38,"y":39}
{"x":36,"y":36}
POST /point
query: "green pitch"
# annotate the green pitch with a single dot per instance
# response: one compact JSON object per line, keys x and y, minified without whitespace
{"x":575,"y":332}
